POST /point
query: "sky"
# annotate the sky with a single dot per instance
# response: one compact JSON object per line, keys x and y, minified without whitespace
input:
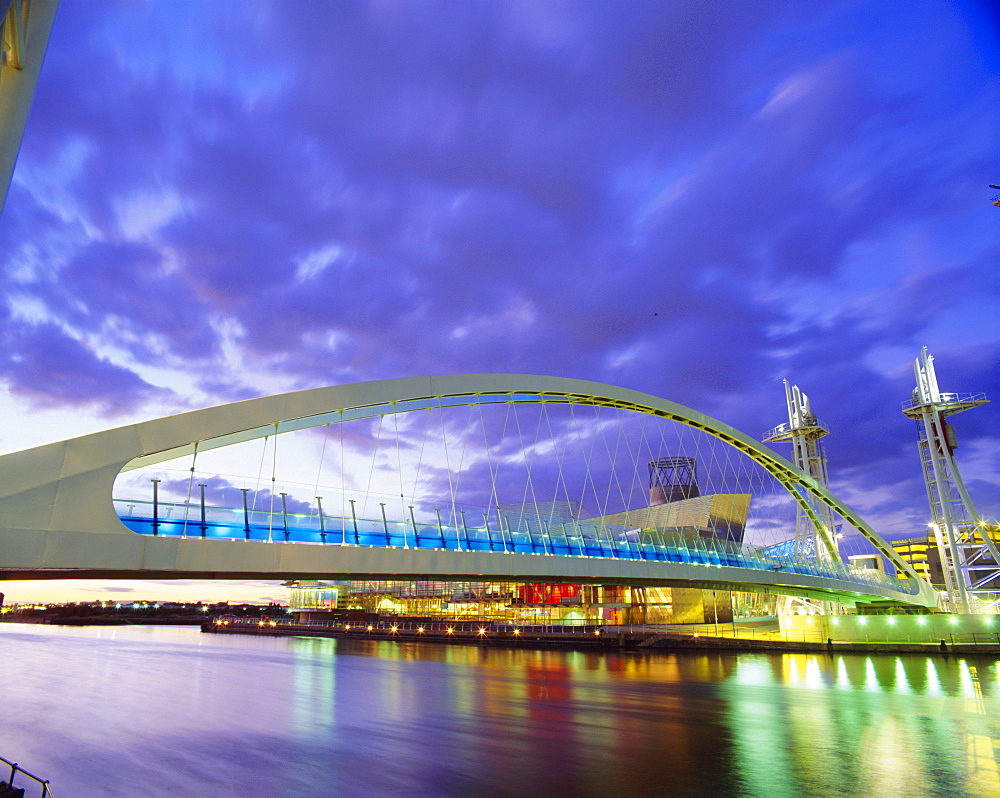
{"x":218,"y":200}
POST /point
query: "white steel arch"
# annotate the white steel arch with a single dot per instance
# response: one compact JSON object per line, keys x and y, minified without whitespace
{"x":57,"y":516}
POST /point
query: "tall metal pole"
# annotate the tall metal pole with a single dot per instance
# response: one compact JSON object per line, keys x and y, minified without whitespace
{"x":354,"y":520}
{"x":322,"y":522}
{"x":156,"y":506}
{"x":500,"y":520}
{"x":204,"y":526}
{"x":486,"y":523}
{"x":437,"y":512}
{"x":246,"y":514}
{"x":385,"y":524}
{"x":284,"y":515}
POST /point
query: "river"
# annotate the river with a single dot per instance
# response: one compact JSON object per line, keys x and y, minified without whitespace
{"x":145,"y":712}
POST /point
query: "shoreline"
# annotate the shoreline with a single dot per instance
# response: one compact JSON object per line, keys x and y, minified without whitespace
{"x":105,"y":621}
{"x":608,"y":639}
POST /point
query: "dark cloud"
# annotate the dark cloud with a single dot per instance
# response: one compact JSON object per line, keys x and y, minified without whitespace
{"x":52,"y":369}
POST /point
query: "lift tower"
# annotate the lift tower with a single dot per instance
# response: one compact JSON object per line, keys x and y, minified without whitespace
{"x":969,"y":557}
{"x":804,"y":431}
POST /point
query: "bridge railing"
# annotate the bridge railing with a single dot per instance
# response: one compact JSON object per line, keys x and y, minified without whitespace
{"x":557,"y":537}
{"x":948,"y":398}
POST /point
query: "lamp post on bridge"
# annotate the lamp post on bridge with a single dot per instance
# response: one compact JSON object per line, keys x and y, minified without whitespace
{"x":354,"y":521}
{"x":204,"y":526}
{"x":437,"y":511}
{"x":156,"y":506}
{"x":385,"y":524}
{"x":246,"y":514}
{"x":486,"y":523}
{"x":322,"y":522}
{"x":284,"y":515}
{"x":465,"y":529}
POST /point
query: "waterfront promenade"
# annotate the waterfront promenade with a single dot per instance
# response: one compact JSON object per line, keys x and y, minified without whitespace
{"x":732,"y":637}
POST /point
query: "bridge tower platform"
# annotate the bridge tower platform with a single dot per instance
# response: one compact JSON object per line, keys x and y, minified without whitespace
{"x":804,"y":431}
{"x":969,"y":558}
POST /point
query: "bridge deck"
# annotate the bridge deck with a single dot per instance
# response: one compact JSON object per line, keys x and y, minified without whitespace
{"x":573,"y":539}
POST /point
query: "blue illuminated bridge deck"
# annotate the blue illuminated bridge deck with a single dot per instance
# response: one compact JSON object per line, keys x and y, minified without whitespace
{"x":553,"y":537}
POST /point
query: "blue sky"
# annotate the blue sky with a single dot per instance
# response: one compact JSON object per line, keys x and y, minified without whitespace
{"x":219,"y":200}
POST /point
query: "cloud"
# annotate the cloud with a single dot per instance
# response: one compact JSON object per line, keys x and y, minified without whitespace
{"x":50,"y":368}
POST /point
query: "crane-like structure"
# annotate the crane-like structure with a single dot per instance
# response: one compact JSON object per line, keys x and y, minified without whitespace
{"x":804,"y":431}
{"x":969,"y":557}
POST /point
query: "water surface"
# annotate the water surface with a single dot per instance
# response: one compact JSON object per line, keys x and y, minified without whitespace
{"x":164,"y":711}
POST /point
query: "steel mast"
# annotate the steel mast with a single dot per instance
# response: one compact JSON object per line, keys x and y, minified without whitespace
{"x":969,"y":556}
{"x":804,"y":431}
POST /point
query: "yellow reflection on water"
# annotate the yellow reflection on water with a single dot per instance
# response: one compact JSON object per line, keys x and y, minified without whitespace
{"x":902,"y":683}
{"x":968,"y":676}
{"x":791,"y":668}
{"x":965,"y":680}
{"x":933,"y":680}
{"x":871,"y":678}
{"x":813,"y":677}
{"x":984,"y":776}
{"x":794,"y":724}
{"x":888,"y":765}
{"x":843,"y":680}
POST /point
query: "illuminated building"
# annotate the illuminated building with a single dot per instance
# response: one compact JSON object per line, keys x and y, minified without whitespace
{"x":923,"y":554}
{"x":527,"y":603}
{"x":312,"y":596}
{"x":675,"y":506}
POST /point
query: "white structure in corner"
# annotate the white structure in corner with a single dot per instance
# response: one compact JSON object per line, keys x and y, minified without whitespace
{"x":804,"y":431}
{"x":969,"y":557}
{"x":25,"y":26}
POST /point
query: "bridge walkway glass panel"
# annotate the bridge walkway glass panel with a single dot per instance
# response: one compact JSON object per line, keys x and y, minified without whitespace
{"x":561,"y":538}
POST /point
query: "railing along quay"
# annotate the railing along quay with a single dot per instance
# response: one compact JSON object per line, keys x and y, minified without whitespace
{"x":494,"y":630}
{"x":381,"y":628}
{"x":9,"y":790}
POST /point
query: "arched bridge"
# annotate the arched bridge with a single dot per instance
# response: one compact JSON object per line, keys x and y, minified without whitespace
{"x":58,"y":516}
